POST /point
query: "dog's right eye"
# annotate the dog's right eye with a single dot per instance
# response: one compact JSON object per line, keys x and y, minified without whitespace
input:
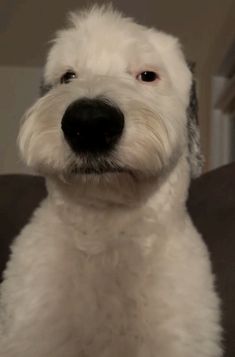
{"x":147,"y":76}
{"x":68,"y":77}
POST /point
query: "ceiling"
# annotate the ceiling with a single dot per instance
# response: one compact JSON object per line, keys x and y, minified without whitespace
{"x":26,"y":26}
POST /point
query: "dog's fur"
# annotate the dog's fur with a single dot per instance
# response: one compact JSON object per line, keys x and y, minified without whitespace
{"x":110,"y":264}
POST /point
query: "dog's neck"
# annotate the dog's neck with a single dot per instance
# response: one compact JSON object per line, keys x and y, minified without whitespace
{"x":99,"y":219}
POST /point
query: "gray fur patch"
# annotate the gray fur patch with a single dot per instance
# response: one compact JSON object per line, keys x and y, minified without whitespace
{"x":195,"y":156}
{"x":44,"y":88}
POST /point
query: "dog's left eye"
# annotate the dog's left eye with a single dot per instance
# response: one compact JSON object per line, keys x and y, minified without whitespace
{"x":68,"y":77}
{"x":147,"y":76}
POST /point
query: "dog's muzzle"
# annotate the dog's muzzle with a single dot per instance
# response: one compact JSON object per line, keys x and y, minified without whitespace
{"x":91,"y":126}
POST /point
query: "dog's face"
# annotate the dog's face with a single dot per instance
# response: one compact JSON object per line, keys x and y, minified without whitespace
{"x":116,"y":102}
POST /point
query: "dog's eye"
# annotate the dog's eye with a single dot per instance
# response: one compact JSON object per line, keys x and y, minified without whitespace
{"x":147,"y":76}
{"x":68,"y":77}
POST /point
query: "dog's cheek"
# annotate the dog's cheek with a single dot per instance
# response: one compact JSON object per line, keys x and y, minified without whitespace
{"x":154,"y":136}
{"x":41,"y":143}
{"x":144,"y":146}
{"x":26,"y":135}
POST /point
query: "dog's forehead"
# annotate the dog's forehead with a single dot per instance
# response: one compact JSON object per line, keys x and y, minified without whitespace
{"x":102,"y":41}
{"x":105,"y":42}
{"x":97,"y":44}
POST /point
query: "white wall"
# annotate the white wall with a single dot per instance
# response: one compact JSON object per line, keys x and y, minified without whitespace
{"x":19,"y":87}
{"x":220,"y":128}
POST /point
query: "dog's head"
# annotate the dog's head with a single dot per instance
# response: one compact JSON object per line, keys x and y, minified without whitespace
{"x":116,"y":101}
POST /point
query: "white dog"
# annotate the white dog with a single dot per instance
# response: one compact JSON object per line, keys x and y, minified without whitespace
{"x":110,"y":264}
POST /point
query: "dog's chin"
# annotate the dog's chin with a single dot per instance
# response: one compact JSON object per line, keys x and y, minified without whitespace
{"x":99,"y":171}
{"x":103,"y":171}
{"x":110,"y":174}
{"x":93,"y":175}
{"x":100,"y":167}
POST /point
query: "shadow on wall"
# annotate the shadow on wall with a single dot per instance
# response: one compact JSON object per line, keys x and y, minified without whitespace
{"x":20,"y":87}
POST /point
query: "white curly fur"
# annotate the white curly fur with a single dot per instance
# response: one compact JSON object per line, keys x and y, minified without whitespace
{"x":110,"y":264}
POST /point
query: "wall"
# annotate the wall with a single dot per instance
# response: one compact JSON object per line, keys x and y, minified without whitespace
{"x":19,"y":87}
{"x":222,"y":41}
{"x":220,"y":129}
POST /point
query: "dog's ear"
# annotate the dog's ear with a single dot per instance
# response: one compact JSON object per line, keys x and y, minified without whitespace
{"x":195,"y":157}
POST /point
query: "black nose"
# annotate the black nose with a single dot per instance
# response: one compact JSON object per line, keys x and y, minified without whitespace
{"x":92,"y":126}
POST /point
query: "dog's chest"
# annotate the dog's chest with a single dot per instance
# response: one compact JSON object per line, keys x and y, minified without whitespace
{"x":113,"y":297}
{"x":101,"y":282}
{"x":112,"y":279}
